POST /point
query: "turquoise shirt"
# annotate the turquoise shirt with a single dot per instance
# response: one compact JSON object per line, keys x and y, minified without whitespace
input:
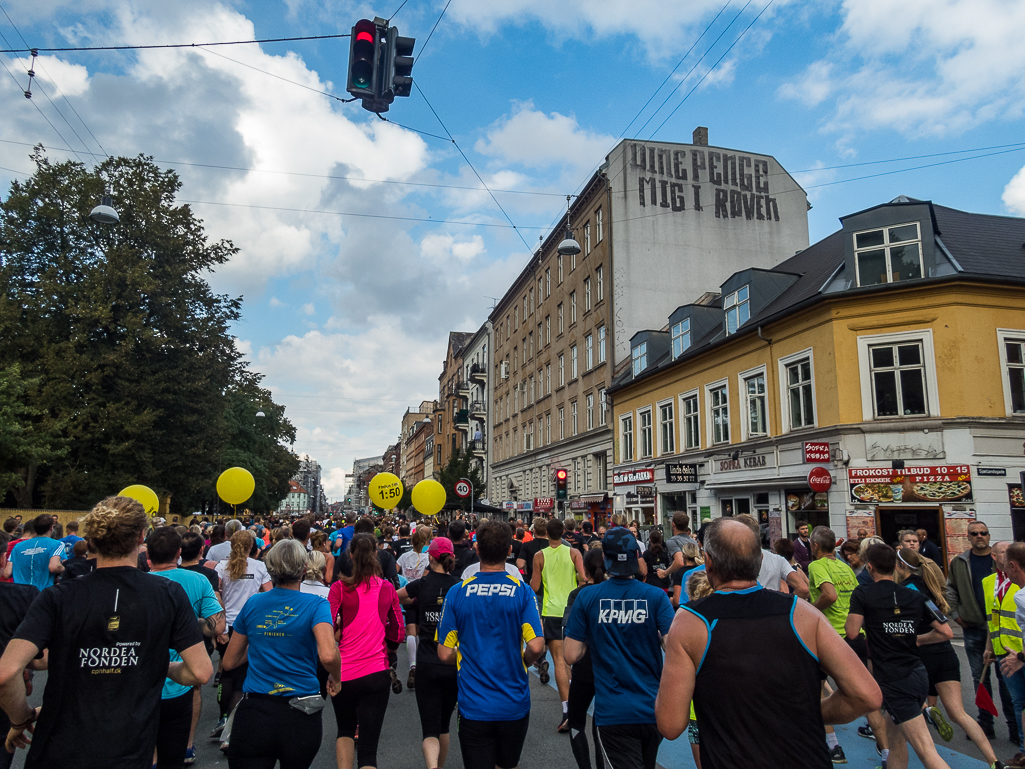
{"x":204,"y":604}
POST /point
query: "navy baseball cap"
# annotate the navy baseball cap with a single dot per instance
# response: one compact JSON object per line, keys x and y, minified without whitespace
{"x":621,"y":552}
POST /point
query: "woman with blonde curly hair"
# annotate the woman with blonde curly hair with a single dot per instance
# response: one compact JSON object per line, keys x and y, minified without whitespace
{"x":108,"y":636}
{"x":242,"y":576}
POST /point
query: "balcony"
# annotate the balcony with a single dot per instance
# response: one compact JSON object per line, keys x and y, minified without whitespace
{"x":478,"y":411}
{"x":460,"y":389}
{"x":461,"y":419}
{"x":478,"y":373}
{"x":478,"y":448}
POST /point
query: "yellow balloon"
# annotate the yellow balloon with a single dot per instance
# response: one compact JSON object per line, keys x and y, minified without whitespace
{"x":429,"y":497}
{"x":236,"y":485}
{"x":144,"y":495}
{"x":385,"y":490}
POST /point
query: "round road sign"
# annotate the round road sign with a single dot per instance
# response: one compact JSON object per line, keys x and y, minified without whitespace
{"x":462,"y":489}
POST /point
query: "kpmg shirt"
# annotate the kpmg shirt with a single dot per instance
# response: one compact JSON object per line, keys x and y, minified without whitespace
{"x":488,"y":618}
{"x":31,"y":561}
{"x":622,"y":621}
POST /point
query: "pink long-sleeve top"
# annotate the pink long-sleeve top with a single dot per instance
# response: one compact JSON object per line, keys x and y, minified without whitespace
{"x":367,"y":615}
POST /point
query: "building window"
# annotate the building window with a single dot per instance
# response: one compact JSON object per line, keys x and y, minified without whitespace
{"x":800,"y":397}
{"x":898,"y":380}
{"x":667,"y":428}
{"x":548,"y":378}
{"x":573,"y":416}
{"x":645,"y":433}
{"x":516,"y":317}
{"x":532,"y":301}
{"x":560,"y":269}
{"x":589,"y":352}
{"x":590,"y":411}
{"x":548,"y":428}
{"x":603,"y":406}
{"x":572,"y":308}
{"x":573,"y":362}
{"x":626,"y":439}
{"x":757,"y":421}
{"x":599,"y":276}
{"x":681,"y":337}
{"x":587,"y":294}
{"x":888,"y":255}
{"x":531,"y":337}
{"x":508,"y":329}
{"x":640,"y":358}
{"x":561,"y":325}
{"x":1012,"y":353}
{"x":738,"y":311}
{"x":720,"y":410}
{"x":532,"y":390}
{"x":548,"y":282}
{"x":587,"y":238}
{"x":691,"y":423}
{"x":601,"y":344}
{"x":562,"y":423}
{"x":572,"y":262}
{"x":548,"y":329}
{"x":562,"y":370}
{"x":598,"y":225}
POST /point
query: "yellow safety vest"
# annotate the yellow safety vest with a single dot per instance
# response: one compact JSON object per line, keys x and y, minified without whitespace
{"x":1004,"y":633}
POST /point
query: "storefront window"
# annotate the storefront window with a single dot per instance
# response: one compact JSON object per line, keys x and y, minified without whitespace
{"x":735,"y":506}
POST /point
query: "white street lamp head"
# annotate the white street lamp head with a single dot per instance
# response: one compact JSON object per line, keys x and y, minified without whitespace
{"x":104,"y":213}
{"x":569,"y":247}
{"x":260,"y":414}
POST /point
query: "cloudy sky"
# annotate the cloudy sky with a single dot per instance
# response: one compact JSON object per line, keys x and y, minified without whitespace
{"x":346,"y":313}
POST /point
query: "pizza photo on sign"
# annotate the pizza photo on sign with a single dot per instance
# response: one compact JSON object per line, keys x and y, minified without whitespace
{"x":873,"y":492}
{"x":943,"y":491}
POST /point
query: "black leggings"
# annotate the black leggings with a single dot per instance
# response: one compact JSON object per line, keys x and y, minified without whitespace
{"x":362,"y":703}
{"x":267,"y":730}
{"x":487,"y":744}
{"x":581,"y":692}
{"x":437,"y":690}
{"x":173,"y":731}
{"x":231,"y":681}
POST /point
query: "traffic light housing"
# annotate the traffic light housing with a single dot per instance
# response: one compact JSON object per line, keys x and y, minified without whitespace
{"x":398,"y":58}
{"x":561,"y":479}
{"x":364,"y":60}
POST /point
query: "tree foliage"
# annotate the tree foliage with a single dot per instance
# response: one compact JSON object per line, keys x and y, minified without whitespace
{"x":138,"y":373}
{"x":461,"y":464}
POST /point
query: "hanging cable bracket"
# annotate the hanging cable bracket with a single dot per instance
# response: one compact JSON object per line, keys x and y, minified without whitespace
{"x":31,"y":73}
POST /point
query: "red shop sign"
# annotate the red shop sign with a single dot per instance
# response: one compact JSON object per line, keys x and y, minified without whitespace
{"x":816,"y":452}
{"x":544,"y":504}
{"x":819,"y":479}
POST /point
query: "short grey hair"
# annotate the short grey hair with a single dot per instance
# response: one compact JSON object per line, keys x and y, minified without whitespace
{"x":824,"y":537}
{"x":231,"y":527}
{"x":286,"y":561}
{"x":736,"y":556}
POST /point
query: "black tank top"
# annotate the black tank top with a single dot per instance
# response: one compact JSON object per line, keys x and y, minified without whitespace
{"x":758,"y":688}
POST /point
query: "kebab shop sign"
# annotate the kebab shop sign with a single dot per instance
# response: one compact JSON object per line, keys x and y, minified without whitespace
{"x":884,"y":485}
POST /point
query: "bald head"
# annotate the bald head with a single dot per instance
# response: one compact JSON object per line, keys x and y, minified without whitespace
{"x":999,"y":554}
{"x":732,"y":552}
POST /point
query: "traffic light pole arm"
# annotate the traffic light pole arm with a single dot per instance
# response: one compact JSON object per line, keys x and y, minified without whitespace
{"x":471,"y":493}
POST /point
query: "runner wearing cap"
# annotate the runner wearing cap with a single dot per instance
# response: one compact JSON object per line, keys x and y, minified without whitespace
{"x":437,"y":687}
{"x":621,"y":622}
{"x":491,"y":630}
{"x":558,"y":568}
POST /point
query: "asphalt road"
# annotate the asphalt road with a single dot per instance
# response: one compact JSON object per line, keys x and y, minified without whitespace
{"x":400,"y":740}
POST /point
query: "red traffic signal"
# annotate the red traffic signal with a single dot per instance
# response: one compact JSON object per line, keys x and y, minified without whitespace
{"x":363,"y":59}
{"x":561,"y":475}
{"x":561,"y":491}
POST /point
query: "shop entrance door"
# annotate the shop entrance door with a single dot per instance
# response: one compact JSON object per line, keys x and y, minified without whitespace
{"x":890,"y":520}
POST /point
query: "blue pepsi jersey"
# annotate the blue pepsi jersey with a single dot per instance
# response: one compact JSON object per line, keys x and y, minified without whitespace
{"x":487,"y":619}
{"x":622,"y":621}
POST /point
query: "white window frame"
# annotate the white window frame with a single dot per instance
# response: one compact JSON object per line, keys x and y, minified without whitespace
{"x":562,"y":370}
{"x":680,"y":335}
{"x":684,"y":397}
{"x":603,"y":406}
{"x":885,"y":247}
{"x":573,"y":416}
{"x":932,"y":395}
{"x":625,"y":456}
{"x":587,"y":294}
{"x":588,"y":352}
{"x":548,"y":378}
{"x":548,"y":282}
{"x":587,"y":238}
{"x":784,"y":389}
{"x":560,"y":268}
{"x":599,"y":275}
{"x":573,"y":362}
{"x":590,"y":410}
{"x":572,"y":307}
{"x":742,"y":378}
{"x":1005,"y":335}
{"x":708,"y":412}
{"x":737,"y":304}
{"x":662,"y":450}
{"x":639,"y":358}
{"x":548,"y":428}
{"x":641,"y":452}
{"x":561,"y":319}
{"x":601,"y":344}
{"x":598,"y":222}
{"x":548,"y":329}
{"x":562,"y":423}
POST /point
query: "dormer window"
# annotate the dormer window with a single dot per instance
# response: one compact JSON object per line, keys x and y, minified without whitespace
{"x":681,"y":337}
{"x":888,"y":255}
{"x":640,"y":358}
{"x":737,"y":309}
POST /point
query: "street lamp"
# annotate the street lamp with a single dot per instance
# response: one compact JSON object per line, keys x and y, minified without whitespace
{"x":104,"y":213}
{"x":568,"y":247}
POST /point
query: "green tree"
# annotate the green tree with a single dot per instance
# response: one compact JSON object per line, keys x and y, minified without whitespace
{"x":461,"y":464}
{"x":24,"y":444}
{"x":131,"y":348}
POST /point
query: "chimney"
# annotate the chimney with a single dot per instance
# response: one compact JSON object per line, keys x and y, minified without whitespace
{"x":700,"y":136}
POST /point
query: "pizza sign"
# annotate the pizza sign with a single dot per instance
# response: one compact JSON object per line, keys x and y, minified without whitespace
{"x":884,"y":485}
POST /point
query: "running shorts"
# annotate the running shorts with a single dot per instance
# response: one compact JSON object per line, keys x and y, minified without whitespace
{"x":629,"y":746}
{"x":552,"y":628}
{"x":941,"y":665}
{"x":860,"y":647}
{"x":437,"y":690}
{"x":903,"y":699}
{"x":487,"y":744}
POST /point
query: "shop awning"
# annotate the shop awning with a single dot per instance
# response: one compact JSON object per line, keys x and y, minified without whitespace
{"x":594,"y":498}
{"x":792,"y":481}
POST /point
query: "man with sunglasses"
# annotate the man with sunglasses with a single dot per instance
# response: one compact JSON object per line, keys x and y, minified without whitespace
{"x":967,"y":608}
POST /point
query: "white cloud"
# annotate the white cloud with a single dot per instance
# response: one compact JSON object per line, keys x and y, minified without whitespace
{"x":275,"y":302}
{"x":309,"y":309}
{"x":921,"y":67}
{"x":1014,"y":193}
{"x":440,"y":248}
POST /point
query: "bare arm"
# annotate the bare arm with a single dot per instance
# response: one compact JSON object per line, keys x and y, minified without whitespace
{"x":535,"y":577}
{"x":534,"y":649}
{"x":212,"y":626}
{"x":827,"y":597}
{"x":573,"y":650}
{"x":56,"y":567}
{"x":327,"y":652}
{"x":940,"y":632}
{"x":676,"y":690}
{"x":643,"y":566}
{"x":674,"y":567}
{"x":8,"y":569}
{"x":852,"y":627}
{"x":195,"y":668}
{"x":856,"y":691}
{"x":404,"y":598}
{"x":446,"y":654}
{"x":266,"y":586}
{"x":13,"y":699}
{"x":797,"y":580}
{"x":235,"y":654}
{"x":578,"y":561}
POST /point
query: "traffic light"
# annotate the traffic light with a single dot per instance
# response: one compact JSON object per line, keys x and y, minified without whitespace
{"x":398,"y":62}
{"x":364,"y":57}
{"x":561,"y":477}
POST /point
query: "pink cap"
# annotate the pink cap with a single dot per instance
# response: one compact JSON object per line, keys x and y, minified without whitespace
{"x":440,"y":546}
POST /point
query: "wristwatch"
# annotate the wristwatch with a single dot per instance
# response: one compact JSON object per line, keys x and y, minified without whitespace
{"x":1020,"y":656}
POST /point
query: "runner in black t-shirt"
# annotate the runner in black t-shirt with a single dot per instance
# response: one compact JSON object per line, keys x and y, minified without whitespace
{"x":108,"y":636}
{"x":436,"y":684}
{"x":581,"y":685}
{"x":525,"y":563}
{"x":897,"y":620}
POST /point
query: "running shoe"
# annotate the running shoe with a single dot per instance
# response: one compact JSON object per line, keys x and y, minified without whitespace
{"x":837,"y":756}
{"x":411,"y":680}
{"x":563,"y":724}
{"x":936,"y":717}
{"x":190,"y":756}
{"x":866,"y":732}
{"x":396,"y":684}
{"x":542,"y":670}
{"x":219,"y":728}
{"x":999,"y":765}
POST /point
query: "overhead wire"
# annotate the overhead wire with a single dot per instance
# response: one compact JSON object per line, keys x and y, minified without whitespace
{"x":429,"y":36}
{"x":49,"y":122}
{"x":177,"y":45}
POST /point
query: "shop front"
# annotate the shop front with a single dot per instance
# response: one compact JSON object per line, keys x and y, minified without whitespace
{"x":595,"y":507}
{"x":635,"y":494}
{"x":679,"y":492}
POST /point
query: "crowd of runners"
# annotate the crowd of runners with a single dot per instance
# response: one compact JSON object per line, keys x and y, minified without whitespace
{"x":754,"y":651}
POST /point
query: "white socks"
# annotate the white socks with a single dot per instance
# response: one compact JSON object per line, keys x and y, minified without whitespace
{"x":831,"y":740}
{"x":411,"y":649}
{"x":565,"y":707}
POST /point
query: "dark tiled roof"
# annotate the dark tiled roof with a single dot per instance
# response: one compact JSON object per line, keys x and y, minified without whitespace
{"x":815,"y":265}
{"x":457,"y":340}
{"x":983,"y":244}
